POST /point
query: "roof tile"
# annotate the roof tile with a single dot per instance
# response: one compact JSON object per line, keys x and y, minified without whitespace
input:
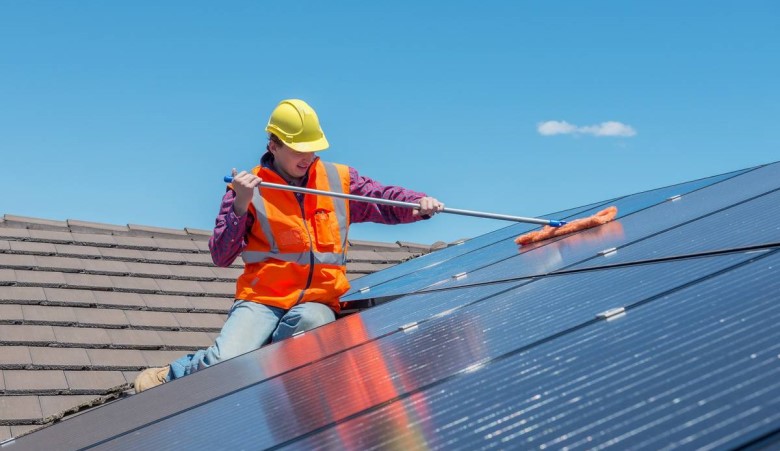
{"x":202,"y":233}
{"x":200,"y":321}
{"x":48,"y":314}
{"x":198,"y":259}
{"x":59,"y":357}
{"x":11,"y":313}
{"x":93,"y":239}
{"x":180,"y":286}
{"x":172,"y":258}
{"x":37,"y":278}
{"x":19,"y":409}
{"x":135,"y":284}
{"x":227,"y":273}
{"x":29,"y":247}
{"x":34,"y":222}
{"x":119,"y":299}
{"x":218,"y":288}
{"x":151,"y":230}
{"x":42,"y":335}
{"x":176,"y":245}
{"x":41,"y":381}
{"x":5,"y":246}
{"x":68,"y":296}
{"x":134,"y":338}
{"x":102,"y":266}
{"x":120,"y":253}
{"x":129,"y":359}
{"x":211,"y":303}
{"x":7,"y":276}
{"x":166,"y":302}
{"x":22,"y":294}
{"x":17,"y":261}
{"x":136,"y":242}
{"x":51,"y":236}
{"x":193,"y":272}
{"x":94,"y":317}
{"x":148,"y":269}
{"x":75,"y":224}
{"x":161,"y":358}
{"x":81,"y":336}
{"x":157,"y":320}
{"x":88,"y":281}
{"x":14,"y":234}
{"x":65,"y":264}
{"x":14,"y":356}
{"x":185,"y":340}
{"x":72,"y":250}
{"x":94,"y":381}
{"x":5,"y":433}
{"x":371,"y":245}
{"x":202,"y":245}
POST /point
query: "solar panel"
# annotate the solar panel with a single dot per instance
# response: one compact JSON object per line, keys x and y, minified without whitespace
{"x":331,"y":390}
{"x":504,"y":235}
{"x":553,"y":255}
{"x":751,"y":223}
{"x":695,"y":369}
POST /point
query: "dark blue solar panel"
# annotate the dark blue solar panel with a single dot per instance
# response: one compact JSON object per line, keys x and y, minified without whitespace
{"x":505,"y":235}
{"x":696,"y":369}
{"x":348,"y":383}
{"x":748,"y":224}
{"x":572,"y":249}
{"x":435,"y":258}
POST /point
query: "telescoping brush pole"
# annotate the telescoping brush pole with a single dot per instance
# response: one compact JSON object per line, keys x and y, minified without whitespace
{"x":412,"y":205}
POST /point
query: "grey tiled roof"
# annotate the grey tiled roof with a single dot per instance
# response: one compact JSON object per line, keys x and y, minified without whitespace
{"x":85,"y":306}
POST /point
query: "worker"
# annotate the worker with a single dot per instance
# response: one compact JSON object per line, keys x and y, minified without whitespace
{"x":293,"y":245}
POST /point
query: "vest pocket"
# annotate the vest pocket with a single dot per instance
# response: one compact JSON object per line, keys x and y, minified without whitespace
{"x":323,"y":233}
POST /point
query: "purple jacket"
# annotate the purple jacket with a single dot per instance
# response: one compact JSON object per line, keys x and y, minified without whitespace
{"x":227,"y":242}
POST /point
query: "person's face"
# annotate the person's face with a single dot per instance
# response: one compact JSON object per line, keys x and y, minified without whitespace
{"x":290,"y":162}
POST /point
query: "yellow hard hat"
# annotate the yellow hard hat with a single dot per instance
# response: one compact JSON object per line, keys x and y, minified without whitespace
{"x":296,"y":124}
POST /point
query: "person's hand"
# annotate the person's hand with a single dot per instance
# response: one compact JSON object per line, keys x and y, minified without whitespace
{"x":244,"y":184}
{"x":429,"y":206}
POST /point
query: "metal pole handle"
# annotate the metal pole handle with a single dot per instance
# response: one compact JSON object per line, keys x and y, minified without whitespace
{"x":412,"y":205}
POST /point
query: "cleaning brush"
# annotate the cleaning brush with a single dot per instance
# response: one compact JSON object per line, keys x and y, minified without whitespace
{"x":602,"y":217}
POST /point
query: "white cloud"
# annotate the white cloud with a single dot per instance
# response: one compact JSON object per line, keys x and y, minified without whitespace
{"x":550,"y":128}
{"x":609,"y":128}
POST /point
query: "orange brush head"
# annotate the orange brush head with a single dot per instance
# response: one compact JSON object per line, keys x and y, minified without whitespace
{"x":597,"y":219}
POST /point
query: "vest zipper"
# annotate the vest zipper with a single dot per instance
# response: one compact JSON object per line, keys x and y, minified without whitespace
{"x":299,"y":197}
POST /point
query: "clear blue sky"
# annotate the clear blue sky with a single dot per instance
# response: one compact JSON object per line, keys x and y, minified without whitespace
{"x":131,"y":112}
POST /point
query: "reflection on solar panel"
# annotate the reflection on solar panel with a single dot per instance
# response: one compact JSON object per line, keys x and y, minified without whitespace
{"x":671,"y":340}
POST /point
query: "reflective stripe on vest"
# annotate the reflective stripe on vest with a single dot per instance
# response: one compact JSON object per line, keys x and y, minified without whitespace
{"x":302,"y":258}
{"x":334,"y":179}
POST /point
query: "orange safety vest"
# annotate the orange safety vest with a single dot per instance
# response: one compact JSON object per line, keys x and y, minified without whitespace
{"x":296,"y":251}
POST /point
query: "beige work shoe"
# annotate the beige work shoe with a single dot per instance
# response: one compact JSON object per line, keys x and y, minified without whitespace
{"x":151,"y":377}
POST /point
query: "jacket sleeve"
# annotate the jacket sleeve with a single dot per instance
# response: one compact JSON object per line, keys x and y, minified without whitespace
{"x":383,"y":214}
{"x":230,"y":231}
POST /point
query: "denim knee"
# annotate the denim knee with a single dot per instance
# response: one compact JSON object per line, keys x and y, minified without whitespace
{"x":303,"y":317}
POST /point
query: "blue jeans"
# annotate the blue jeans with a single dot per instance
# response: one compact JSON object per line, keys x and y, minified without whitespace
{"x":249,"y":326}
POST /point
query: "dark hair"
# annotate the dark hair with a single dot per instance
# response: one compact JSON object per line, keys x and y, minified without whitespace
{"x":273,"y":138}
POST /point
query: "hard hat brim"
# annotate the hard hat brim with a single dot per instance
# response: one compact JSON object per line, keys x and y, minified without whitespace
{"x":310,"y":146}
